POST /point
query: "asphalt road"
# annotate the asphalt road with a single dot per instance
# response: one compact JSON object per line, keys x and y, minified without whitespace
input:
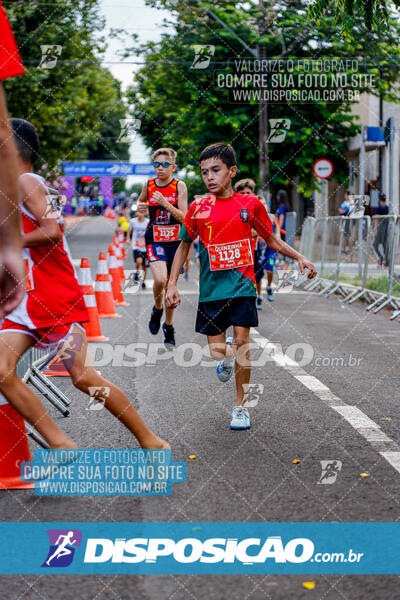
{"x":245,"y":475}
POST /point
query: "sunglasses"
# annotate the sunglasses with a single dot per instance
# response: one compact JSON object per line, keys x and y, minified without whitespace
{"x":164,"y":164}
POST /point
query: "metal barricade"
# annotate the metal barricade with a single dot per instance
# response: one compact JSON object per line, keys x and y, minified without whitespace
{"x":307,"y":237}
{"x":383,"y":251}
{"x":355,"y":246}
{"x":29,"y":369}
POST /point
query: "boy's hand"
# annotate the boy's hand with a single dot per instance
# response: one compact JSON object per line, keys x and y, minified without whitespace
{"x":159,"y":198}
{"x":306,"y":264}
{"x":172,"y":298}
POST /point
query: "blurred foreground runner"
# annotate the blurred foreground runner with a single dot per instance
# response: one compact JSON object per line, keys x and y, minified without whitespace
{"x":223,"y":221}
{"x":11,"y":265}
{"x":52,"y":310}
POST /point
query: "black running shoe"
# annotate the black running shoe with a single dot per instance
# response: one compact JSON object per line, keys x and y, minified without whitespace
{"x":169,"y":336}
{"x":155,"y":320}
{"x":143,"y":285}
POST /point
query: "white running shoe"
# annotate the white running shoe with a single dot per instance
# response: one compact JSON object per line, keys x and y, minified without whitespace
{"x":240,"y":418}
{"x":270,"y":294}
{"x":226,"y":366}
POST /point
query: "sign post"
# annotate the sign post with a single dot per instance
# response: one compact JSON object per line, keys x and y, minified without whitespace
{"x":323,"y":168}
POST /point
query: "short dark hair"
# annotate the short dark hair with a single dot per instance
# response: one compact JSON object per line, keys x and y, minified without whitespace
{"x":382,"y":197}
{"x":244,"y":183}
{"x":26,"y":140}
{"x":282,"y":197}
{"x":220,"y":150}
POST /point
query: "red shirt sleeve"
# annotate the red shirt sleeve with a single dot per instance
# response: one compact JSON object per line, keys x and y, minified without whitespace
{"x":10,"y":61}
{"x":189,"y":230}
{"x":261,"y":221}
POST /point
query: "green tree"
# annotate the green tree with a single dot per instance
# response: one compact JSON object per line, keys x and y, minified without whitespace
{"x":376,"y":13}
{"x":180,"y":106}
{"x":76,"y":106}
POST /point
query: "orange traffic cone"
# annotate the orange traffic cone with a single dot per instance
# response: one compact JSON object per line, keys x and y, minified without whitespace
{"x":103,"y":291}
{"x":14,"y":448}
{"x":56,"y":368}
{"x":92,"y":327}
{"x":115,"y":278}
{"x":118,"y":254}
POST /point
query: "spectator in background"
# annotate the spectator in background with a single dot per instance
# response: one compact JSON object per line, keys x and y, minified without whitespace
{"x":380,"y":231}
{"x":383,"y":208}
{"x":281,"y":212}
{"x":11,"y":263}
{"x":344,"y":210}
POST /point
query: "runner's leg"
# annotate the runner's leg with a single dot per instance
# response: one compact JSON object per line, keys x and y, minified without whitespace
{"x":12,"y":346}
{"x":160,"y":276}
{"x":84,"y":376}
{"x":218,"y":348}
{"x":242,"y":363}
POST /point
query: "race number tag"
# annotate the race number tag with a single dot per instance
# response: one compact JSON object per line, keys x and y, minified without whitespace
{"x":231,"y":255}
{"x":166,"y":233}
{"x":28,"y":276}
{"x":140,"y":241}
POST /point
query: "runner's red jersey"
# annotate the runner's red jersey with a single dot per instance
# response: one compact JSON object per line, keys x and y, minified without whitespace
{"x":54,"y":297}
{"x":226,"y":250}
{"x":10,"y":61}
{"x":162,"y":227}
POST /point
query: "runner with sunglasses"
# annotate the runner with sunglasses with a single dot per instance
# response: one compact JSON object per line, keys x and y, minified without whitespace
{"x":166,"y":200}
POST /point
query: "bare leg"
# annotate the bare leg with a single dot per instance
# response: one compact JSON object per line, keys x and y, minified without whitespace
{"x":12,"y":346}
{"x":218,"y":348}
{"x":270,"y":276}
{"x":242,"y":364}
{"x":160,"y":276}
{"x":84,"y":376}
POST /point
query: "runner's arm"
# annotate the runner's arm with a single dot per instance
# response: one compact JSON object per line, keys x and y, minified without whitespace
{"x":129,"y":234}
{"x":11,"y":269}
{"x":142,"y":200}
{"x":262,"y":224}
{"x":180,"y":212}
{"x":172,"y":298}
{"x":37,"y":202}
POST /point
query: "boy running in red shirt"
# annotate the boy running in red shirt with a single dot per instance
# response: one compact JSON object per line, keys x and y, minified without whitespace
{"x":223,"y":221}
{"x":52,"y":310}
{"x":166,"y":199}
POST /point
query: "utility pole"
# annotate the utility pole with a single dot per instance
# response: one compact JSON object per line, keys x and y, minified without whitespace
{"x":262,"y":109}
{"x":258,"y":54}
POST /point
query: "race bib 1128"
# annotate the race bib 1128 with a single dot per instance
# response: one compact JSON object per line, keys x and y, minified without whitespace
{"x":230,"y":255}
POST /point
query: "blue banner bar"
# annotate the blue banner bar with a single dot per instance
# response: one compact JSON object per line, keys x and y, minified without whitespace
{"x":106,"y":169}
{"x":200,"y":548}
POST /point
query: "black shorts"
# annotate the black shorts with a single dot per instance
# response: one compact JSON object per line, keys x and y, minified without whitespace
{"x":140,"y":254}
{"x":215,"y":317}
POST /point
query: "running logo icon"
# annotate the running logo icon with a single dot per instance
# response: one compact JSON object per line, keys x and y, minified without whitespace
{"x":330,"y":471}
{"x":50,"y":56}
{"x":63,"y":543}
{"x":278,"y":129}
{"x":203,"y":55}
{"x":286,"y":280}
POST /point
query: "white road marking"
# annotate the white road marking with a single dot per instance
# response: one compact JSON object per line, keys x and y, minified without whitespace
{"x":366,"y":427}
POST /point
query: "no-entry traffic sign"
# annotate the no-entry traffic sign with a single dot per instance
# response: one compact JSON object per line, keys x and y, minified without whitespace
{"x":323,"y":168}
